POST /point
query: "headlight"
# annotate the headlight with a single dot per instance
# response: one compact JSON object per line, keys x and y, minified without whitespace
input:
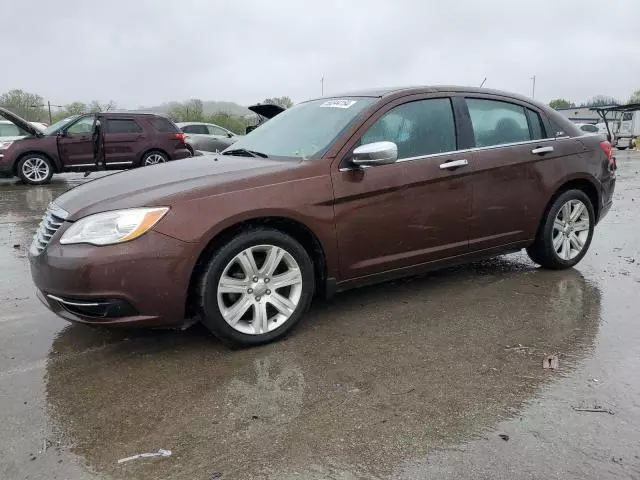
{"x":113,"y":227}
{"x":5,"y":145}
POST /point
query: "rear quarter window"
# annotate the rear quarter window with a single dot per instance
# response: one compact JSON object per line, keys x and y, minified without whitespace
{"x":164,"y":125}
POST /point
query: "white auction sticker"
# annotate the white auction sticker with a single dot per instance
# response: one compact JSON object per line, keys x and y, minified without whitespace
{"x":338,"y":103}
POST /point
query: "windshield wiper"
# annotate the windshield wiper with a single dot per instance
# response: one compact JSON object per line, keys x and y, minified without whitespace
{"x":244,"y":152}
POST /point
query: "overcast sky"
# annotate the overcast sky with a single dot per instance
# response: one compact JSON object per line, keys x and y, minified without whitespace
{"x":145,"y":52}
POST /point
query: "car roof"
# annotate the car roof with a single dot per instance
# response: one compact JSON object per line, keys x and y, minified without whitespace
{"x":384,"y":92}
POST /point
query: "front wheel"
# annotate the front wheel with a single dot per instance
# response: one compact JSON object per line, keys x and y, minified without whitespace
{"x":566,"y":232}
{"x":35,"y":169}
{"x":153,"y":158}
{"x":256,"y":287}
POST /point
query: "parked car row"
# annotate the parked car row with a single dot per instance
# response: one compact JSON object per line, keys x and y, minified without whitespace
{"x":87,"y":142}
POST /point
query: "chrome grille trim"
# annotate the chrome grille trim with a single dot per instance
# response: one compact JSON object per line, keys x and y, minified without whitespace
{"x":52,"y":220}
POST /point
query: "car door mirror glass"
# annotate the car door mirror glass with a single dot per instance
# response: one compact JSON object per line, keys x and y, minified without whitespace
{"x":376,"y":153}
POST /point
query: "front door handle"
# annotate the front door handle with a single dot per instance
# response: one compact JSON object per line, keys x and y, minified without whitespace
{"x":453,"y":164}
{"x":542,"y":150}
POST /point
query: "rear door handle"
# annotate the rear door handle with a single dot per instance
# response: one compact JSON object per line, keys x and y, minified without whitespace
{"x":542,"y":150}
{"x":453,"y":164}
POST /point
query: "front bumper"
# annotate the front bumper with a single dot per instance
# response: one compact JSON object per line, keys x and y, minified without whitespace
{"x":141,"y":283}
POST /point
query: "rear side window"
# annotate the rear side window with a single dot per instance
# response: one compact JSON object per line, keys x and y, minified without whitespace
{"x":122,"y":125}
{"x":418,"y":128}
{"x":163,"y":125}
{"x":497,"y":123}
{"x":536,"y":125}
{"x":589,"y":128}
{"x":196,"y":129}
{"x":217,"y":131}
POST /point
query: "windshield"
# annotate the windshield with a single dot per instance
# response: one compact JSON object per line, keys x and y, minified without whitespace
{"x":306,"y":130}
{"x":53,"y":129}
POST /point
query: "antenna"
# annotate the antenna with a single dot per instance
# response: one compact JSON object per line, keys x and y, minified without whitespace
{"x":485,"y":79}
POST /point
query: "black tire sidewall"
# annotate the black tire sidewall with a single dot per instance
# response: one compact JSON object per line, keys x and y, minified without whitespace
{"x":210,"y":313}
{"x":550,"y":258}
{"x":31,"y":182}
{"x":153,"y":152}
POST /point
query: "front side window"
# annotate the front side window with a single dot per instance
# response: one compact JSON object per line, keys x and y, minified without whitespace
{"x":419,"y":128}
{"x":306,"y":130}
{"x":121,"y":125}
{"x":497,"y":123}
{"x":84,"y":125}
{"x":195,"y":129}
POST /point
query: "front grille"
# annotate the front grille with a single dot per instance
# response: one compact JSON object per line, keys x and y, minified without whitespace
{"x":53,"y":218}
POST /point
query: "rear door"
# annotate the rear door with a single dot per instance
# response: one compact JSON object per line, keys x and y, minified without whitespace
{"x":511,"y":141}
{"x":221,"y":137}
{"x":121,"y":136}
{"x":76,"y":143}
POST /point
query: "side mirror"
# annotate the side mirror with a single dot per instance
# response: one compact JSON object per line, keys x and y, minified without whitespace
{"x":376,"y":153}
{"x":62,"y":133}
{"x":229,"y":135}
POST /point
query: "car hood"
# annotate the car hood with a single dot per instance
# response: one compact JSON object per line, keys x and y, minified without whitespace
{"x":164,"y":185}
{"x":20,"y":122}
{"x":266,"y":110}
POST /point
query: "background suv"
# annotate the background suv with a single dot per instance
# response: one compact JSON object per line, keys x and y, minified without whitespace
{"x":88,"y":142}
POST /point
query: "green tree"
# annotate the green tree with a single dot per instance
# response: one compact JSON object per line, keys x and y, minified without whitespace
{"x":29,"y":106}
{"x":635,"y":97}
{"x":231,"y":122}
{"x":190,"y":111}
{"x":561,"y":103}
{"x":600,"y":101}
{"x":75,"y":108}
{"x":95,"y":106}
{"x":285,"y":102}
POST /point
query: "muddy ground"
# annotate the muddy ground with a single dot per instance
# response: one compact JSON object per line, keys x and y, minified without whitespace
{"x":405,"y":380}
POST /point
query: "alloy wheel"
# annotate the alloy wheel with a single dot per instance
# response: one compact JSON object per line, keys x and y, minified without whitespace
{"x":35,"y":169}
{"x":571,"y":229}
{"x":154,"y":159}
{"x":259,"y":289}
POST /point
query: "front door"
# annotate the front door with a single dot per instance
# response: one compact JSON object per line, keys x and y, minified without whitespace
{"x":121,"y":137}
{"x":410,"y":212}
{"x":76,"y":144}
{"x":511,"y":142}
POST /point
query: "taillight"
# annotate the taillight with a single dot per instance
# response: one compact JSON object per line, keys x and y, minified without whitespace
{"x":180,"y":136}
{"x":608,"y":151}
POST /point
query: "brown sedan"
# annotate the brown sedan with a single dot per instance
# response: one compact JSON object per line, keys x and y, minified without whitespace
{"x":333,"y":193}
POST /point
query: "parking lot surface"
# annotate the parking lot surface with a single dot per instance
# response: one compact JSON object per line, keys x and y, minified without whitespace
{"x":438,"y":376}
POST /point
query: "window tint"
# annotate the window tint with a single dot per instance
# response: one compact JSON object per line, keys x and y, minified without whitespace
{"x":197,"y":129}
{"x":535,"y":122}
{"x":589,"y":128}
{"x":627,"y":116}
{"x":163,"y":125}
{"x":84,"y":125}
{"x":417,"y":128}
{"x":496,"y":123}
{"x":217,"y":131}
{"x":122,"y":125}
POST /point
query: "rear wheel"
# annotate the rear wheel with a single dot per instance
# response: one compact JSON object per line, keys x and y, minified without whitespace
{"x":153,"y":158}
{"x":256,"y":287}
{"x":566,"y":232}
{"x":35,"y":169}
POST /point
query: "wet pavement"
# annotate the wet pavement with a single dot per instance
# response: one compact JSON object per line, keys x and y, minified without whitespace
{"x":408,"y":380}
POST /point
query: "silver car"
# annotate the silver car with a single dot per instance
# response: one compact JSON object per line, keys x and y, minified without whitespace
{"x":206,"y":136}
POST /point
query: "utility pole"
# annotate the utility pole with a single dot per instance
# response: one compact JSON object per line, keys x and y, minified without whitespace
{"x":322,"y":86}
{"x":50,"y":118}
{"x":48,"y":105}
{"x":533,"y":89}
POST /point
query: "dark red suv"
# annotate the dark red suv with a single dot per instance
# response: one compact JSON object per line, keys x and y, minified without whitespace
{"x":113,"y":141}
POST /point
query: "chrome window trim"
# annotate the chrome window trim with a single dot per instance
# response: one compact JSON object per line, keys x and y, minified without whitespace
{"x":466,"y":150}
{"x":119,"y":163}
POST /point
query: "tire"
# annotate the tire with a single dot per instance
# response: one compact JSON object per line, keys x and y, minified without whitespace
{"x":243,"y":302}
{"x":556,"y":244}
{"x":153,"y":157}
{"x":35,"y":169}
